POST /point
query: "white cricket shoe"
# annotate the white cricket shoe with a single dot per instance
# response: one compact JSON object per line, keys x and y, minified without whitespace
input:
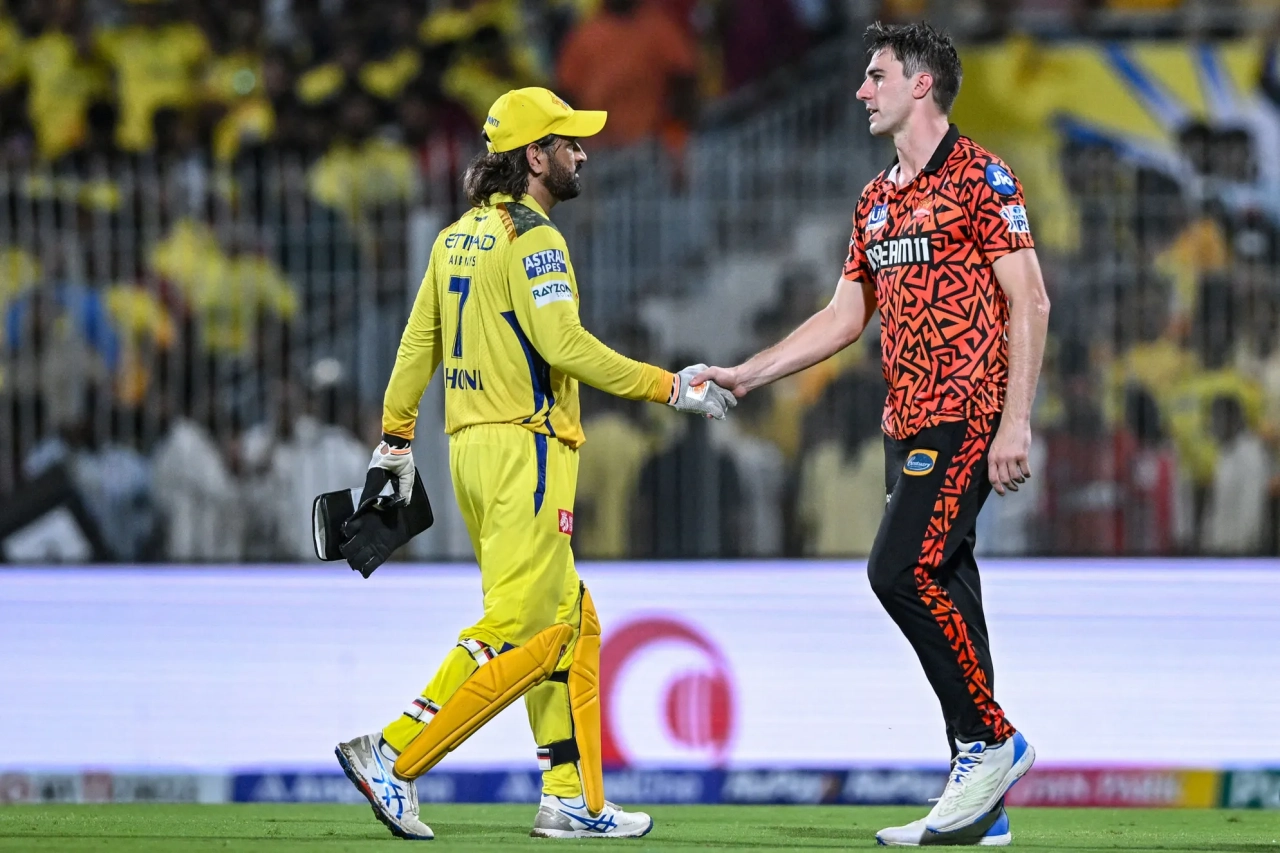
{"x":991,"y":831}
{"x":563,"y":818}
{"x":394,"y":800}
{"x":980,"y":776}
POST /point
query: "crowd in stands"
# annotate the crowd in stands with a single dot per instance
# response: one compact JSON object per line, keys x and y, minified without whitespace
{"x":1157,"y":425}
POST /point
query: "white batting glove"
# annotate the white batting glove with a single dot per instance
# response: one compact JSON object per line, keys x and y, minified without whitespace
{"x":706,"y":399}
{"x":395,"y":456}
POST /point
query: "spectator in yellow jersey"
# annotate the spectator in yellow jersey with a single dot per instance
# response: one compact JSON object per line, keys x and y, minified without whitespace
{"x":158,"y":59}
{"x":456,"y":21}
{"x":483,"y":69}
{"x":362,"y":171}
{"x":12,"y":49}
{"x":1190,"y":419}
{"x":65,"y":75}
{"x":225,"y":296}
{"x":235,"y":81}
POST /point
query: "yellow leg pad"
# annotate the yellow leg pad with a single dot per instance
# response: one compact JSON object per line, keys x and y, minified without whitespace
{"x":491,"y":688}
{"x":584,"y":701}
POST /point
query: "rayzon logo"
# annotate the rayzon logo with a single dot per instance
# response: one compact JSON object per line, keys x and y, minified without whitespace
{"x":694,"y":696}
{"x":899,"y":251}
{"x":556,"y":290}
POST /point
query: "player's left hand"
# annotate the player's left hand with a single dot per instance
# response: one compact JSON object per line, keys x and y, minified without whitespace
{"x":395,"y":456}
{"x":1008,"y":461}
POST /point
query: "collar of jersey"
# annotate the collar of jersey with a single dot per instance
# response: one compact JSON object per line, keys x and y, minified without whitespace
{"x":526,"y":199}
{"x":940,"y":154}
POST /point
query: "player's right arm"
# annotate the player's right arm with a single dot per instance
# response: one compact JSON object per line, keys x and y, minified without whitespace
{"x":823,"y":335}
{"x":546,"y":304}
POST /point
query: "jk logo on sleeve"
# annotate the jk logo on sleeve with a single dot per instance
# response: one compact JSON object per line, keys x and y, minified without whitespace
{"x":556,"y":290}
{"x":541,"y":263}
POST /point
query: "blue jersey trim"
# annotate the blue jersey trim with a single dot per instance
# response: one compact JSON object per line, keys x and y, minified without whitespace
{"x":540,"y":445}
{"x":539,"y":372}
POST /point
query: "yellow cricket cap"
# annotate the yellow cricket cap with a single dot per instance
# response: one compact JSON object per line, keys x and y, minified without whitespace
{"x":522,"y":116}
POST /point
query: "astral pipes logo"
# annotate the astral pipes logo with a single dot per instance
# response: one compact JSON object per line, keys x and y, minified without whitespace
{"x":666,"y":696}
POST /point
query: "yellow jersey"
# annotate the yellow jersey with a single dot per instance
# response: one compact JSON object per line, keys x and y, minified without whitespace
{"x":499,"y":307}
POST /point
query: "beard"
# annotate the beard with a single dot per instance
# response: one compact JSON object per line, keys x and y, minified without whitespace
{"x":563,"y":183}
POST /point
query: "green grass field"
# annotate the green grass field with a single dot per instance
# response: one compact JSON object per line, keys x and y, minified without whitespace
{"x":328,"y":829}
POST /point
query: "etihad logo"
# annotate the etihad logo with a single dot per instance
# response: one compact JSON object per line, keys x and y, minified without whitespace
{"x":899,"y":251}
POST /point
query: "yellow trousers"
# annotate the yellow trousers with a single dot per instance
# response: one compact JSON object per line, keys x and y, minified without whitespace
{"x":514,"y":489}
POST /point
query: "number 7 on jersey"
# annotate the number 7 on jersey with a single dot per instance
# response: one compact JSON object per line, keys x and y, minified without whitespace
{"x":462,"y":286}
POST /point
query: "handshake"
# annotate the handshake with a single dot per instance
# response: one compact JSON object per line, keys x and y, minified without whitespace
{"x":701,"y":398}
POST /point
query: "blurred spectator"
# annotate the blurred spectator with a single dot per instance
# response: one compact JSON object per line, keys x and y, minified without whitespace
{"x":112,"y":478}
{"x":1083,"y":504}
{"x":841,"y":495}
{"x":690,"y":500}
{"x":762,"y":472}
{"x":201,"y":502}
{"x":361,"y":171}
{"x":439,"y":133}
{"x":235,"y":85}
{"x":630,"y":59}
{"x":13,"y":48}
{"x":1190,"y":422}
{"x":158,"y":58}
{"x":65,"y":75}
{"x":301,"y":452}
{"x":225,"y":295}
{"x":609,"y":465}
{"x":455,"y":21}
{"x":485,"y":68}
{"x":1155,"y":509}
{"x":1235,"y":518}
{"x":760,"y":37}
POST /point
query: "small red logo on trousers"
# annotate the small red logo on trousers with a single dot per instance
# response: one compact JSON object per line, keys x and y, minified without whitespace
{"x":566,"y":522}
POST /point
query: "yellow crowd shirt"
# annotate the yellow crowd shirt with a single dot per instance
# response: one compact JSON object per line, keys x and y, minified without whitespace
{"x":62,"y":84}
{"x":155,"y":68}
{"x":499,"y":307}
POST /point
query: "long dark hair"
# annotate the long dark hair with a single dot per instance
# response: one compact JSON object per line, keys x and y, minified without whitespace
{"x":505,"y":172}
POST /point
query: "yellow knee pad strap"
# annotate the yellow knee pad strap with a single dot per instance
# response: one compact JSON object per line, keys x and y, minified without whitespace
{"x":490,"y":688}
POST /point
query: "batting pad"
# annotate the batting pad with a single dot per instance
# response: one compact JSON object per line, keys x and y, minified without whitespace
{"x":492,"y":687}
{"x":584,"y":702}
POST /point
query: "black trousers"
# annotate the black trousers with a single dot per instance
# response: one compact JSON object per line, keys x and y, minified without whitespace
{"x":923,"y":571}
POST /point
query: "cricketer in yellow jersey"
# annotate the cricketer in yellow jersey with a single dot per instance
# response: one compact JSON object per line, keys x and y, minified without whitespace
{"x":498,"y":308}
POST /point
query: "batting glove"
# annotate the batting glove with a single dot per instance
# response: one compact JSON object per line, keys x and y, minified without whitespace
{"x":706,"y":399}
{"x":395,"y":456}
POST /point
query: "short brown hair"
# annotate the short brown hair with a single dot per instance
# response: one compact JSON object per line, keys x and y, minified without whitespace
{"x":920,"y":47}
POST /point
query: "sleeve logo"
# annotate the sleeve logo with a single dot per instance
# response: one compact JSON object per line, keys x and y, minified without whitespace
{"x":541,"y":263}
{"x":879,"y":216}
{"x":920,"y":462}
{"x":556,"y":290}
{"x":1000,"y":180}
{"x":566,"y":522}
{"x":1016,"y":216}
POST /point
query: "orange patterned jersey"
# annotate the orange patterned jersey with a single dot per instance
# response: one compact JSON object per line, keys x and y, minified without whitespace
{"x":928,"y":247}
